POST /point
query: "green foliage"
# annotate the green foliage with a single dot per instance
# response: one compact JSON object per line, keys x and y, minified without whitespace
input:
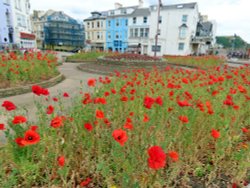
{"x":86,"y":56}
{"x":230,"y":41}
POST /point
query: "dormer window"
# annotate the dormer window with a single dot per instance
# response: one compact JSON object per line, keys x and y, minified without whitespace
{"x":112,"y":12}
{"x":179,"y":6}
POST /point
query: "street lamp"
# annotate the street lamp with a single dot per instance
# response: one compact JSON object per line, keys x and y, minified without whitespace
{"x":157,"y":26}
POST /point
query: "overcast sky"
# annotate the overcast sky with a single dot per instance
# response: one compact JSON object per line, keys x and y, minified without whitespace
{"x":232,"y":16}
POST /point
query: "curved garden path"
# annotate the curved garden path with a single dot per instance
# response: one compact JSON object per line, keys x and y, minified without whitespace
{"x":75,"y":81}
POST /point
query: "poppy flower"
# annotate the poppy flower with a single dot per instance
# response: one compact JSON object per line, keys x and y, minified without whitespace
{"x":19,"y":142}
{"x":159,"y":100}
{"x":37,"y":90}
{"x":65,"y":94}
{"x":55,"y":99}
{"x":50,"y":110}
{"x":173,"y":155}
{"x":145,"y":118}
{"x":128,"y":125}
{"x":88,"y":127}
{"x":9,"y":106}
{"x":120,"y":136}
{"x":57,"y":122}
{"x":2,"y":126}
{"x":85,"y":182}
{"x":99,"y":114}
{"x":31,"y":137}
{"x":157,"y":157}
{"x":19,"y":120}
{"x":183,"y":103}
{"x":184,"y":119}
{"x":215,"y":133}
{"x":61,"y":161}
{"x":148,"y":102}
{"x":91,"y":82}
{"x":244,"y":130}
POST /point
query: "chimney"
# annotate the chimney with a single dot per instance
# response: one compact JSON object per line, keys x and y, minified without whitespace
{"x":118,"y":5}
{"x":140,"y":3}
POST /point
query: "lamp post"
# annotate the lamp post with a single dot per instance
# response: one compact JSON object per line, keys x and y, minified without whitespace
{"x":157,"y":26}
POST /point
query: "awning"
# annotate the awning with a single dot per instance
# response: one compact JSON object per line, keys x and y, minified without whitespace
{"x":27,"y":36}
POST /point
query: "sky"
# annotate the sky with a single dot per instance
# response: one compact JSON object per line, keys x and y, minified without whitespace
{"x":232,"y":16}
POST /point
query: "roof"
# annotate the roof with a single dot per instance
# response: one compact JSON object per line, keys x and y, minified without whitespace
{"x":121,"y":15}
{"x":179,"y":6}
{"x":140,"y":12}
{"x":207,"y":26}
{"x":101,"y":15}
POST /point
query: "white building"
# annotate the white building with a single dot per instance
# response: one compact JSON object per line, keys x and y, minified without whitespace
{"x":23,"y":35}
{"x":177,"y":27}
{"x":138,"y":31}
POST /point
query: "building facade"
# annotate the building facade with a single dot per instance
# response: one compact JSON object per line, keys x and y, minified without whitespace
{"x":177,"y":26}
{"x":22,"y":32}
{"x":117,"y":28}
{"x":6,"y":24}
{"x":95,"y":31}
{"x":57,"y":31}
{"x":138,"y":31}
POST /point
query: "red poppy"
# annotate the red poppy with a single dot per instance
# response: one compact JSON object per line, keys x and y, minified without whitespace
{"x":55,"y":99}
{"x":85,"y":182}
{"x":91,"y":82}
{"x":8,"y":105}
{"x":99,"y":114}
{"x":128,"y":125}
{"x":31,"y":137}
{"x":61,"y":161}
{"x":33,"y":127}
{"x":120,"y":136}
{"x":88,"y":127}
{"x":19,"y":142}
{"x":184,"y":119}
{"x":57,"y":122}
{"x":146,"y":118}
{"x":19,"y":120}
{"x":148,"y":102}
{"x":183,"y":103}
{"x":50,"y":109}
{"x":215,"y":133}
{"x":173,"y":155}
{"x":65,"y":94}
{"x":244,"y":130}
{"x":159,"y":100}
{"x":2,"y":126}
{"x":157,"y":157}
{"x":37,"y":90}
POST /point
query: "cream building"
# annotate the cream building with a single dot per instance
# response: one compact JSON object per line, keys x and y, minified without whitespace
{"x":95,"y":31}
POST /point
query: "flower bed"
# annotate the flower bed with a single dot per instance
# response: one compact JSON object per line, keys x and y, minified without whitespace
{"x":195,"y":61}
{"x":86,"y":56}
{"x":171,"y":128}
{"x":19,"y":70}
{"x":131,"y":57}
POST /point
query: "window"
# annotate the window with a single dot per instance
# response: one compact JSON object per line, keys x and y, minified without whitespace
{"x":181,"y":46}
{"x":183,"y":32}
{"x":131,"y":33}
{"x":141,"y":32}
{"x":98,"y":24}
{"x":184,"y":18}
{"x":98,"y":35}
{"x":160,"y":19}
{"x":93,"y":24}
{"x":101,"y":23}
{"x":146,"y":32}
{"x":145,"y":19}
{"x":117,"y":23}
{"x":134,"y":20}
{"x":126,"y":22}
{"x":109,"y":23}
{"x":124,"y":11}
{"x":112,"y":12}
{"x":116,"y":35}
{"x":109,"y":35}
{"x":136,"y":33}
{"x":88,"y":24}
{"x":157,"y":49}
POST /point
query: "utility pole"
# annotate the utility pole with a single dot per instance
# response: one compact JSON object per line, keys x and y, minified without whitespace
{"x":157,"y":26}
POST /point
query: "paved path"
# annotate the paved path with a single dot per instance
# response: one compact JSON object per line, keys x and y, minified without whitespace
{"x":72,"y":85}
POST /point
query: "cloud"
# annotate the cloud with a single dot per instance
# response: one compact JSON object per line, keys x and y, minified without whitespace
{"x":232,"y":16}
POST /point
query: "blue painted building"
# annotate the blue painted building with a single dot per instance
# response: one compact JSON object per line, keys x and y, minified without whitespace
{"x":6,"y":26}
{"x":117,"y":28}
{"x":61,"y":32}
